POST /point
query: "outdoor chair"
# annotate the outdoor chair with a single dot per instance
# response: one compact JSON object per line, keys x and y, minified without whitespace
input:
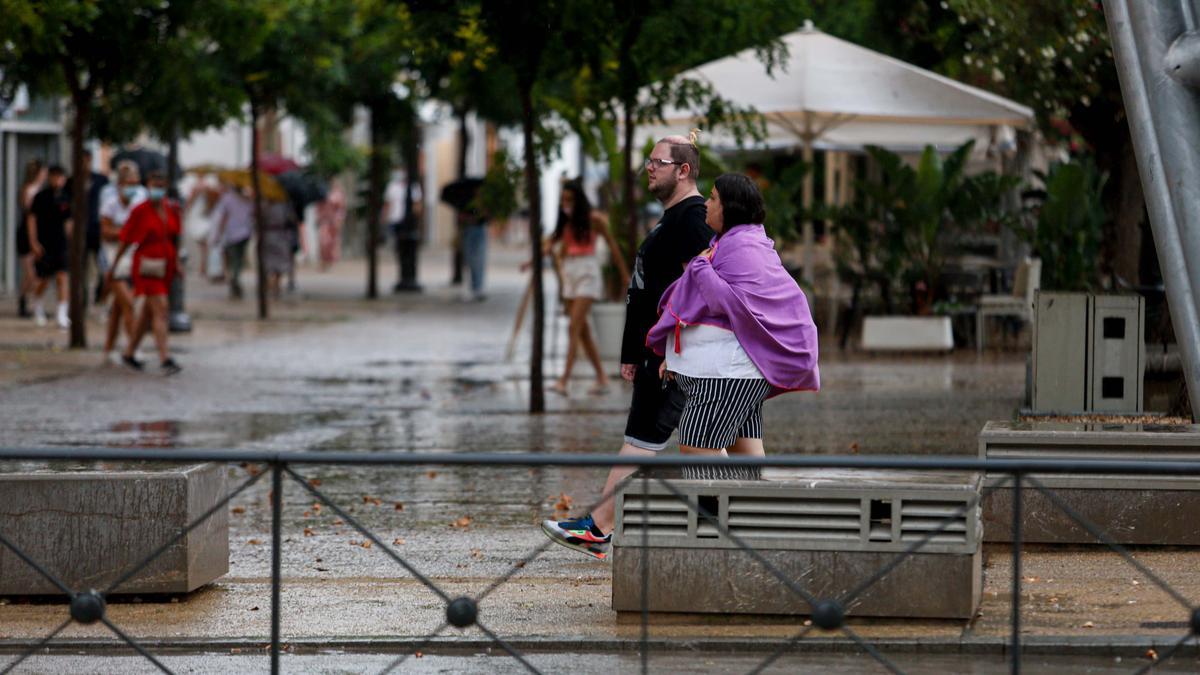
{"x":1017,"y":304}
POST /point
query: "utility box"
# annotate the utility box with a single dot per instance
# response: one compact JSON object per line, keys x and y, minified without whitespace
{"x":1088,"y":353}
{"x":826,"y":529}
{"x":1116,"y":353}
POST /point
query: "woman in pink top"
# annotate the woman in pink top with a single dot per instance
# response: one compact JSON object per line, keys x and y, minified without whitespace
{"x":574,"y":246}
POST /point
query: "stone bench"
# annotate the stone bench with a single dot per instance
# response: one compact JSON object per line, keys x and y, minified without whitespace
{"x":89,"y":526}
{"x":828,"y":530}
{"x":1146,"y":510}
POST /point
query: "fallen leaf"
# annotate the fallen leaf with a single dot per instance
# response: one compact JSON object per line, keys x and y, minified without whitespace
{"x":399,"y":506}
{"x":419,"y":655}
{"x":316,"y":507}
{"x":367,"y":499}
{"x":308,"y":532}
{"x":854,"y":447}
{"x":315,"y":482}
{"x":462,"y":523}
{"x":477,"y":554}
{"x":808,"y":622}
{"x":1151,"y":654}
{"x":1088,"y":624}
{"x":355,"y":542}
{"x":366,"y":544}
{"x":254,"y":542}
{"x":398,"y":542}
{"x":253,"y":609}
{"x":322,"y":569}
{"x":308,"y":514}
{"x":431,"y":474}
{"x":338,"y":521}
{"x":563,"y":503}
{"x":238,"y":510}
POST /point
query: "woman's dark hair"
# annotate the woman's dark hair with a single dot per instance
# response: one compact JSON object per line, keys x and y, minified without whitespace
{"x":741,"y":202}
{"x":580,"y":217}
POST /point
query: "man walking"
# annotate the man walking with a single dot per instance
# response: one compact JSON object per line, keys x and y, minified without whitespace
{"x":681,"y":234}
{"x":49,"y":225}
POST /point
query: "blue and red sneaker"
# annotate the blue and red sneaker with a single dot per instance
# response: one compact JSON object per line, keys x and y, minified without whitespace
{"x":580,"y":534}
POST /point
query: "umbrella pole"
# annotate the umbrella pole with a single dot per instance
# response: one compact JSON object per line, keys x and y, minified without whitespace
{"x":520,"y":320}
{"x":808,"y":236}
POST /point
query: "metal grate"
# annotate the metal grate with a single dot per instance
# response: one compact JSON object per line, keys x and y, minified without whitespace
{"x":920,"y":517}
{"x":664,"y":516}
{"x":795,"y":518}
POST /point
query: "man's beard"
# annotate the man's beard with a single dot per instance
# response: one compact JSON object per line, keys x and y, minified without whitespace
{"x":664,"y":188}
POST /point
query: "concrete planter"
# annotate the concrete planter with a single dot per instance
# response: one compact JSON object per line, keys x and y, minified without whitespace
{"x":1132,"y":510}
{"x":826,"y":528}
{"x":907,"y":334}
{"x":608,"y":322}
{"x":89,"y":527}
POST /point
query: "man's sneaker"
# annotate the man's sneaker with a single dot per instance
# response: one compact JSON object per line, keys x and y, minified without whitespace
{"x":132,"y":363}
{"x":39,"y":314}
{"x":61,"y":317}
{"x":580,"y":534}
{"x":169,"y":367}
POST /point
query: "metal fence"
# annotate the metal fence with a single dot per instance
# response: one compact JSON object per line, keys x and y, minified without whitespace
{"x":828,"y":614}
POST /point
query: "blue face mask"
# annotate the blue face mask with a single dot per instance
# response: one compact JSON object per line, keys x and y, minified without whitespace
{"x":130,"y":191}
{"x":157,"y":193}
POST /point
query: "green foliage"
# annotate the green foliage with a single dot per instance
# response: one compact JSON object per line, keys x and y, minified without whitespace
{"x":784,"y":199}
{"x":1068,"y":226}
{"x":898,"y":232}
{"x":498,"y":195}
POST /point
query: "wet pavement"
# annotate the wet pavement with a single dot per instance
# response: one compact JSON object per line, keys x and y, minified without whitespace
{"x":426,"y":373}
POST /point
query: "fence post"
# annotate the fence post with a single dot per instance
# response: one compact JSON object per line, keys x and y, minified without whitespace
{"x":276,"y":548}
{"x":1016,"y":575}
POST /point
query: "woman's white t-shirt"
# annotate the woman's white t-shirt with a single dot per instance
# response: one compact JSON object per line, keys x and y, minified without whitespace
{"x":118,"y":212}
{"x":710,"y":352}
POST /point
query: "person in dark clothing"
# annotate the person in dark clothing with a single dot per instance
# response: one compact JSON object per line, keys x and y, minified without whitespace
{"x":49,"y":224}
{"x":680,"y":235}
{"x":95,"y":190}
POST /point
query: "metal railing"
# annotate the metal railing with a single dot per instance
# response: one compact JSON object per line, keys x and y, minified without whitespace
{"x":87,"y":606}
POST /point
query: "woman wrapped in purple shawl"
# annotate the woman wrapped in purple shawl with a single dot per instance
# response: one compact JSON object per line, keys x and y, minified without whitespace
{"x":735,"y":328}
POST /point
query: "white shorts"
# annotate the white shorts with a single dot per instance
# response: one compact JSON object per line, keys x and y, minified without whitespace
{"x":581,"y":278}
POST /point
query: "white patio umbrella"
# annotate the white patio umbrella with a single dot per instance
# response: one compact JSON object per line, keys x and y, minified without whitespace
{"x":832,"y":94}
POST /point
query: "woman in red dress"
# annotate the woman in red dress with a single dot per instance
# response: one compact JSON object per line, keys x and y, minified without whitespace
{"x":154,"y":227}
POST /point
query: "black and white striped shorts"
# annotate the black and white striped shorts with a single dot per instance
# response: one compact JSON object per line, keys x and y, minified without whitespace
{"x":719,"y":411}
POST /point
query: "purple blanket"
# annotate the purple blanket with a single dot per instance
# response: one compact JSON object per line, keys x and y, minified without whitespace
{"x":746,"y":289}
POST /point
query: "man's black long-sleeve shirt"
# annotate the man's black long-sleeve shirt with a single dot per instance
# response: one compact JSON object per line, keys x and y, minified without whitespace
{"x":680,"y":235}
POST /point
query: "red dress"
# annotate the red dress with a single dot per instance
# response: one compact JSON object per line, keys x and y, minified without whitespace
{"x":154,"y":239}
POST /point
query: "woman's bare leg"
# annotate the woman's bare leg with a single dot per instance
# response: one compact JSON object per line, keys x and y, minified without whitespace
{"x":140,"y":329}
{"x":748,"y":447}
{"x":572,"y":345}
{"x":157,"y":305}
{"x":121,"y":316}
{"x":588,"y":341}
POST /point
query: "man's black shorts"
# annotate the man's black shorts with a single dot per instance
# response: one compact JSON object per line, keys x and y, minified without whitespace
{"x":655,"y":410}
{"x":51,"y":263}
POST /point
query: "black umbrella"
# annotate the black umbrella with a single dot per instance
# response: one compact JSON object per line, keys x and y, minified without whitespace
{"x":146,"y":160}
{"x":302,"y":188}
{"x":461,"y":193}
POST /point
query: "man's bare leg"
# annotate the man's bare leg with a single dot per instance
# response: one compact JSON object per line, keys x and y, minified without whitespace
{"x":604,"y":515}
{"x":752,"y":447}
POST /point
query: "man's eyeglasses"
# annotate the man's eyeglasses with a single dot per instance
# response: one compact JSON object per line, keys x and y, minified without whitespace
{"x":660,"y":163}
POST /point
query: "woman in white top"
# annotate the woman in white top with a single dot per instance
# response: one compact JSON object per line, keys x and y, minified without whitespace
{"x":113,"y":214}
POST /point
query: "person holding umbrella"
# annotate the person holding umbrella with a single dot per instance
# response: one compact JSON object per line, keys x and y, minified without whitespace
{"x":472,"y":226}
{"x":153,"y":226}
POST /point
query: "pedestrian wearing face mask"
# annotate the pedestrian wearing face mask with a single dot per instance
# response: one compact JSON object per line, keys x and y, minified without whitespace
{"x":153,"y":226}
{"x":114,"y":212}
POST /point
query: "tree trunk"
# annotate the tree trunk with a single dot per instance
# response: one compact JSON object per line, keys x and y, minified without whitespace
{"x":80,"y":183}
{"x":375,"y":188}
{"x":1128,"y":215}
{"x":631,"y":210}
{"x":537,"y":395}
{"x":259,"y":223}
